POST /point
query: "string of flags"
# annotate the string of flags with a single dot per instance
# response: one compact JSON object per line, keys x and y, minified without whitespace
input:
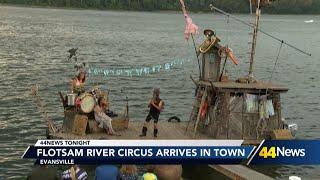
{"x":137,"y":71}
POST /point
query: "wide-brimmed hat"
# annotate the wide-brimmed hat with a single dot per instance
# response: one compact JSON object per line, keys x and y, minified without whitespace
{"x":208,"y":32}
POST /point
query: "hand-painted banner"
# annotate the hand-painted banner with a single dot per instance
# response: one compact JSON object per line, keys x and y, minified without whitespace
{"x":137,"y":71}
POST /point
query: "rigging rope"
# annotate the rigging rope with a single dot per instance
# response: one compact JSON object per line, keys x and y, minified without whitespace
{"x":276,"y":62}
{"x":263,"y":32}
{"x":137,"y":71}
{"x":227,"y":45}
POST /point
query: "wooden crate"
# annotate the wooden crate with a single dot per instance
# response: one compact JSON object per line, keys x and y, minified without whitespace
{"x":80,"y":125}
{"x":120,"y":123}
{"x":281,"y":134}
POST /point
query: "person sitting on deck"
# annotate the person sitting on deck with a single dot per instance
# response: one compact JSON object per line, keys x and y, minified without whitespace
{"x":77,"y":84}
{"x":156,"y":106}
{"x":100,"y":116}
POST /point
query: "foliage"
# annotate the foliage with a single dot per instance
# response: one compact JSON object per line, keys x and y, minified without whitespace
{"x":233,"y":6}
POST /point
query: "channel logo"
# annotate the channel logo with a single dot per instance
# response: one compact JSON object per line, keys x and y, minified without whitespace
{"x":273,"y":152}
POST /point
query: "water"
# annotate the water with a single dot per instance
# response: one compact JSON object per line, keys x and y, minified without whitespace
{"x":33,"y":50}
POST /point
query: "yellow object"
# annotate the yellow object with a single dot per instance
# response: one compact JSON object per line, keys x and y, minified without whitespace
{"x":265,"y":152}
{"x":149,"y":176}
{"x":207,"y":45}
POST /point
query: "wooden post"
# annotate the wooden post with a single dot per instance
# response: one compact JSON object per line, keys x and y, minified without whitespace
{"x":254,"y":41}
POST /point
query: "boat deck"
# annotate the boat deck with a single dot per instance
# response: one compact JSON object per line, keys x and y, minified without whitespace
{"x":171,"y":130}
{"x":167,"y":130}
{"x":239,"y":172}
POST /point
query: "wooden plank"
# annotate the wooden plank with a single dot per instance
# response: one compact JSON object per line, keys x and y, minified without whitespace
{"x":239,"y":172}
{"x":250,"y":86}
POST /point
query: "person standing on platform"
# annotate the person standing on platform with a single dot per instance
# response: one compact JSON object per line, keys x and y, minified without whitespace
{"x":156,"y":105}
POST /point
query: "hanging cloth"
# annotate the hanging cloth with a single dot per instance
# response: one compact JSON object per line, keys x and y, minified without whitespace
{"x":251,"y":103}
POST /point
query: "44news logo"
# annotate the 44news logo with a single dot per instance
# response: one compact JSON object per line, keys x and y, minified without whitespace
{"x":273,"y":152}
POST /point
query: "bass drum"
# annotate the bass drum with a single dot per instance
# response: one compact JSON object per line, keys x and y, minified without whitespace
{"x":87,"y":102}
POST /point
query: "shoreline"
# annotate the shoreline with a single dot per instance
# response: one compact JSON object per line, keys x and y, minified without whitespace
{"x":127,"y":10}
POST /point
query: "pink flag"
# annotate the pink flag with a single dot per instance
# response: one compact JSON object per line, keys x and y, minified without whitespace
{"x":190,"y":27}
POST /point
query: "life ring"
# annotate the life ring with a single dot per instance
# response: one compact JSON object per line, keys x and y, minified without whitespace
{"x":203,"y":110}
{"x":174,"y":118}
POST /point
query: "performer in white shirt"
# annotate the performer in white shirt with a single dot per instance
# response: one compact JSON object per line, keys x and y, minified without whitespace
{"x":100,"y":116}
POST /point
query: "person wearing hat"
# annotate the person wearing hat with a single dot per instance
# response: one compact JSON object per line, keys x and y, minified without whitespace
{"x":210,"y":59}
{"x":208,"y":42}
{"x":208,"y":32}
{"x":156,"y":106}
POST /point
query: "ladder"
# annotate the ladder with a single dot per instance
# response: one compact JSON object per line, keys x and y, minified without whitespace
{"x":195,"y":113}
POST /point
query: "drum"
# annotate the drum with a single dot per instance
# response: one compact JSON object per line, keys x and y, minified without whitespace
{"x":87,"y":102}
{"x":71,"y":99}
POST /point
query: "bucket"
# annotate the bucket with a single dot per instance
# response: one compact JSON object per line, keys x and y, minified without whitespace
{"x":71,"y":99}
{"x":294,"y":178}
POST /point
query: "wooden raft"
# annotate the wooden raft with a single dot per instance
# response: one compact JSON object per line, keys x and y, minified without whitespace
{"x":171,"y":130}
{"x":239,"y":172}
{"x":167,"y":130}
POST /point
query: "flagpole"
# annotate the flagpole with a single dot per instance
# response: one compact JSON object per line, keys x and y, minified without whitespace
{"x":195,"y":49}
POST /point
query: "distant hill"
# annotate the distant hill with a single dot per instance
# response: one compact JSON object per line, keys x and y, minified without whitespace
{"x":232,"y":6}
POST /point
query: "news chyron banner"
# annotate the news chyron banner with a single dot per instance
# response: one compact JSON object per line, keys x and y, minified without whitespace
{"x":138,"y":152}
{"x":173,"y":152}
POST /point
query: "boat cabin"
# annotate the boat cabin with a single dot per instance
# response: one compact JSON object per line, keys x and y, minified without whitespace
{"x":241,"y":110}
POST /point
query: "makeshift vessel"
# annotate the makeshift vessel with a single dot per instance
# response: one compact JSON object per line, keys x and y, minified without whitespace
{"x":244,"y":108}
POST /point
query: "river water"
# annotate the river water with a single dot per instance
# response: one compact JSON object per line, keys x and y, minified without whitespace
{"x":33,"y":50}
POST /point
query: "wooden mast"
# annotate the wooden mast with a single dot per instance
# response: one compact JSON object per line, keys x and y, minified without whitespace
{"x":254,"y":42}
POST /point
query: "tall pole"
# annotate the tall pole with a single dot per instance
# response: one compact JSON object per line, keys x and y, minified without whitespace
{"x":195,"y":49}
{"x":254,"y":41}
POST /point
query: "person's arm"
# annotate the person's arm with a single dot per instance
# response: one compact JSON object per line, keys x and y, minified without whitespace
{"x":160,"y":107}
{"x":150,"y":102}
{"x":98,"y":113}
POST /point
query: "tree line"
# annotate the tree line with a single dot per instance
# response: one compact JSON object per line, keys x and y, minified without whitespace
{"x":232,"y":6}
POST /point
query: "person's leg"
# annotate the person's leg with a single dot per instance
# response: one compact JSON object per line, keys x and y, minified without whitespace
{"x":155,"y":128}
{"x":108,"y":125}
{"x":145,"y":125}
